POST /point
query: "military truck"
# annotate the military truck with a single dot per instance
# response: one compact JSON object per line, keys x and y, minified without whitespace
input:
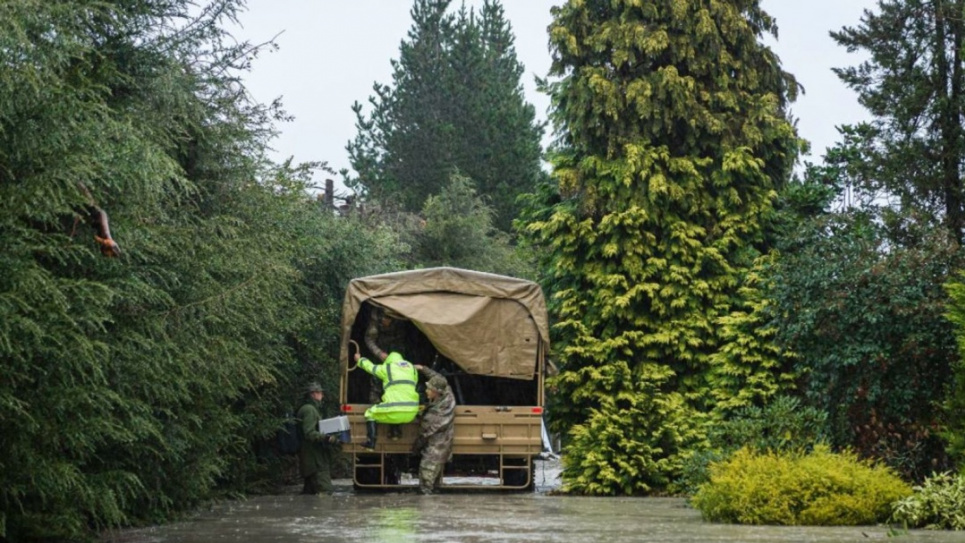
{"x":488,"y":335}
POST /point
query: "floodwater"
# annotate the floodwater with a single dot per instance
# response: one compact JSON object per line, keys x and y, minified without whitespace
{"x":484,"y":516}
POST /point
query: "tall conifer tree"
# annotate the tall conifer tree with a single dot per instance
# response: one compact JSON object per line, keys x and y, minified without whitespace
{"x":672,"y":140}
{"x":914,"y":86}
{"x":455,"y":103}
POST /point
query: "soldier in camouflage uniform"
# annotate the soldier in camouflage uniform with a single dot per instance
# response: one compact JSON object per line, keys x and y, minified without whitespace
{"x":435,"y":430}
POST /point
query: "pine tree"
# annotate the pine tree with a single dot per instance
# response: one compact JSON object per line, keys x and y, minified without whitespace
{"x":455,"y":104}
{"x":673,"y":139}
{"x":914,"y":86}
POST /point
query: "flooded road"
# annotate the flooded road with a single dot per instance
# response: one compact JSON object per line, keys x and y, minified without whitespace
{"x":350,"y":517}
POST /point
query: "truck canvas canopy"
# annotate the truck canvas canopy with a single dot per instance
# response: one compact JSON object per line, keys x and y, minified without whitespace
{"x":486,"y":324}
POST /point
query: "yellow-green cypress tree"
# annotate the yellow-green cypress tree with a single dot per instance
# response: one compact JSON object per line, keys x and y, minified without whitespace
{"x":673,"y":138}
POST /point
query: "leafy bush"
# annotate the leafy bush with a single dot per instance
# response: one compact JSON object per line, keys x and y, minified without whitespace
{"x":633,"y":444}
{"x":458,"y":231}
{"x":820,"y":488}
{"x":953,"y":430}
{"x":866,"y":317}
{"x":938,"y":504}
{"x":782,"y":425}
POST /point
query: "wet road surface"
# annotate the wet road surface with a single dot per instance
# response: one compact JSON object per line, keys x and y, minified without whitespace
{"x":349,"y":517}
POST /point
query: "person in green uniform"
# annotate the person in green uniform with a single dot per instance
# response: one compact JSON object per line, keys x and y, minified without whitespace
{"x":316,"y":450}
{"x":400,"y":400}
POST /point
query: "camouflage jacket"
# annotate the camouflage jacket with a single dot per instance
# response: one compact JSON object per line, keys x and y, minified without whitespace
{"x":382,"y":340}
{"x":436,"y":428}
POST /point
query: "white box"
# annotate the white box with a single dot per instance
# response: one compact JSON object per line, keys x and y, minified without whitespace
{"x":334,"y":425}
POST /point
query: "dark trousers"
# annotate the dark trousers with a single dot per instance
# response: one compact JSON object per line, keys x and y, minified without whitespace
{"x":320,"y":481}
{"x":311,"y":485}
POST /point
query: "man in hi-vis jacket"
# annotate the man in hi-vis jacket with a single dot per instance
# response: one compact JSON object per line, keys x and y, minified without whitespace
{"x":400,"y":400}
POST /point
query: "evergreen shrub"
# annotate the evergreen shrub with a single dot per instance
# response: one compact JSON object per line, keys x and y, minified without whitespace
{"x":938,"y":504}
{"x":820,"y":488}
{"x":782,"y":425}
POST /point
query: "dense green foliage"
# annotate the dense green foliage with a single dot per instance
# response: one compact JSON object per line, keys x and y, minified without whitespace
{"x":750,"y":368}
{"x":913,"y":84}
{"x":673,"y":139}
{"x":455,"y":103}
{"x":458,"y":232}
{"x":903,"y":171}
{"x":631,"y":443}
{"x":783,"y":425}
{"x":136,"y":387}
{"x":953,"y":404}
{"x":937,"y":504}
{"x":819,"y":488}
{"x":866,"y":319}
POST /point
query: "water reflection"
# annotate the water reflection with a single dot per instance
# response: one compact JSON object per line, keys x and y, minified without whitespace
{"x":482,"y":517}
{"x":350,"y":517}
{"x":396,"y":524}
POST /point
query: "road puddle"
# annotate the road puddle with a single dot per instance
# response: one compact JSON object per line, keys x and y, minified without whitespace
{"x":485,"y":516}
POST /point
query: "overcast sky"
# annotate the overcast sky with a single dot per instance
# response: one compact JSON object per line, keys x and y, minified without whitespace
{"x":331,"y":52}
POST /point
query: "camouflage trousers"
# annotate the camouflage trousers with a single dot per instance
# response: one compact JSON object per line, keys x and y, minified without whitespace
{"x":430,"y":475}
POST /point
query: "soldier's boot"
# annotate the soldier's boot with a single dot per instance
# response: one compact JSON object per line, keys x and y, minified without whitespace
{"x":310,"y":485}
{"x":371,"y":430}
{"x":395,"y":432}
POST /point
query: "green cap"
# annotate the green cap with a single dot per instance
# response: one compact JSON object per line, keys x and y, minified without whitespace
{"x":438,"y":383}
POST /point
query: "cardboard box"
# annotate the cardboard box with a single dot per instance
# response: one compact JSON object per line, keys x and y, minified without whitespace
{"x":336,"y":425}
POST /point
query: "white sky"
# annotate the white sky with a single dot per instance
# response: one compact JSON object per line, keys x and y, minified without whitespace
{"x":331,"y":52}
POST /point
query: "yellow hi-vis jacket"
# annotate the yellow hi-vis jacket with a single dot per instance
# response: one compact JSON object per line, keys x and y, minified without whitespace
{"x":399,"y":379}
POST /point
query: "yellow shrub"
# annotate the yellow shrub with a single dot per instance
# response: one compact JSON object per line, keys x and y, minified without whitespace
{"x":820,"y":488}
